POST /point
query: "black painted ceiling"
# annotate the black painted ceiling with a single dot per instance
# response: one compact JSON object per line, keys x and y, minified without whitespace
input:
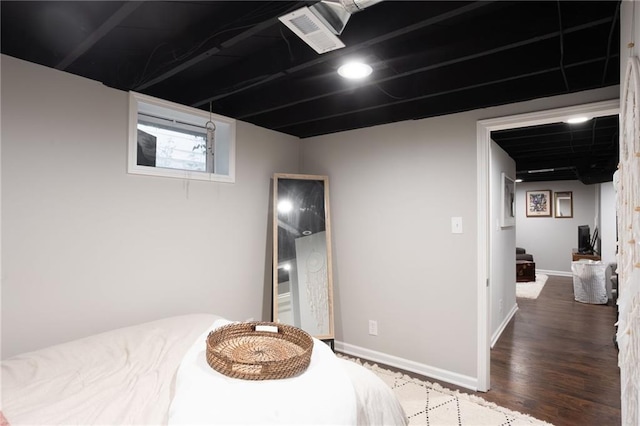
{"x":430,"y":58}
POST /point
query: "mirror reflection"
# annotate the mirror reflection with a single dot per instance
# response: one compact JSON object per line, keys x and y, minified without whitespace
{"x":563,"y":204}
{"x":302,"y":261}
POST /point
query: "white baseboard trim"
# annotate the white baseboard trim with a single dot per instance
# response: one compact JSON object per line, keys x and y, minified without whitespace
{"x":507,"y":319}
{"x":556,"y":273}
{"x":408,"y":365}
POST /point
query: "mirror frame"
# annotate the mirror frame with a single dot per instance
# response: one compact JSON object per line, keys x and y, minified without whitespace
{"x":557,"y":196}
{"x":325,"y":179}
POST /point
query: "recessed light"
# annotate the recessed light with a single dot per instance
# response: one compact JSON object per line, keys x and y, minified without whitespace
{"x":518,"y":180}
{"x":577,"y":120}
{"x":354,"y":70}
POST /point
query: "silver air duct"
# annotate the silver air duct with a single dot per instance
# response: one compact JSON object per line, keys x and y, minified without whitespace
{"x":320,"y":24}
{"x":336,"y":13}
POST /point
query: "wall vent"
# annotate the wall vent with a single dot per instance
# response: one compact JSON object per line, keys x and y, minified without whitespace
{"x":311,"y":30}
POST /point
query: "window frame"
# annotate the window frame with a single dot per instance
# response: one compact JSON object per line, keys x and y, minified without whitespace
{"x":225,"y":128}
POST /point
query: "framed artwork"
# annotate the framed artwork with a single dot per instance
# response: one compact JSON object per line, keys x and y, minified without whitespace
{"x":508,"y":200}
{"x":539,"y":203}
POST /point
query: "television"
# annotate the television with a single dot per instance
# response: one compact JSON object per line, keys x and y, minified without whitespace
{"x":584,"y":240}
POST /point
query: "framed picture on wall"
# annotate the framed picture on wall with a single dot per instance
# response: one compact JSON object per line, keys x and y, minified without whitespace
{"x":508,"y":200}
{"x":539,"y":203}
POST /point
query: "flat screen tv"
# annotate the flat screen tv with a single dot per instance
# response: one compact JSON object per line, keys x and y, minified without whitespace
{"x":584,"y":239}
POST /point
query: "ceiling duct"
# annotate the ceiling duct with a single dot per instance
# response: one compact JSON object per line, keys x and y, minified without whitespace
{"x":320,"y":24}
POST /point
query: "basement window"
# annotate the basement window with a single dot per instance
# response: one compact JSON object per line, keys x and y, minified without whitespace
{"x":172,"y":140}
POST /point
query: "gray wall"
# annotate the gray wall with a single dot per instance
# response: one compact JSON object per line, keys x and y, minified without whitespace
{"x":551,"y":240}
{"x":502,"y":271}
{"x":88,"y":247}
{"x":608,"y":231}
{"x":394,"y":189}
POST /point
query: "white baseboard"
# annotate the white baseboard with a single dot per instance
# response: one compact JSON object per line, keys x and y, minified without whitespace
{"x":498,"y":333}
{"x":408,"y":365}
{"x":556,"y":273}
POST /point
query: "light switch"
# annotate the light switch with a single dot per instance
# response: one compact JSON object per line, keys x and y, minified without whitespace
{"x":456,"y":225}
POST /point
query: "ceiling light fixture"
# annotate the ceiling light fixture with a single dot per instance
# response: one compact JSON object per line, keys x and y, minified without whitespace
{"x":355,"y":70}
{"x":577,"y":120}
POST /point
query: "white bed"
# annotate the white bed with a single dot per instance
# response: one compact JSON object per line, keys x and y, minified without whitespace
{"x":153,"y":374}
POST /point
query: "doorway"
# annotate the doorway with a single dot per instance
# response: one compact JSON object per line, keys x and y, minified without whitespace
{"x":484,"y":129}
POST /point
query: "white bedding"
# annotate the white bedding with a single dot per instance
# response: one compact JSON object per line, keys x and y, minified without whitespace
{"x":323,"y":395}
{"x":127,"y":376}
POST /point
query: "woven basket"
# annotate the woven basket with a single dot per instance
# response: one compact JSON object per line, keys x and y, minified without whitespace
{"x":259,"y":350}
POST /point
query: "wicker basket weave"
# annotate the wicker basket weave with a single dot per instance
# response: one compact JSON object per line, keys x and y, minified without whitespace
{"x":272,"y":351}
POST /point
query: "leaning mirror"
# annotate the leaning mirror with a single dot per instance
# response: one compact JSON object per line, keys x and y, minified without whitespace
{"x":563,"y":204}
{"x":302,"y":277}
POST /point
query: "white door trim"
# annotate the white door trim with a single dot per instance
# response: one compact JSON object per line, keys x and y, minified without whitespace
{"x":484,"y":129}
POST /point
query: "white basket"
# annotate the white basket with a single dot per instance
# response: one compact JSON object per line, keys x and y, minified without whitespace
{"x":589,"y":282}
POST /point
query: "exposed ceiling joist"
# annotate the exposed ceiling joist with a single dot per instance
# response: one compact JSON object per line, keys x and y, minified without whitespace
{"x":430,"y":58}
{"x":280,"y":105}
{"x":349,"y":50}
{"x":114,"y":20}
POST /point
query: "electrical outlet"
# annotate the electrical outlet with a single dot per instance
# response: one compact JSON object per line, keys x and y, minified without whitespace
{"x":373,"y":327}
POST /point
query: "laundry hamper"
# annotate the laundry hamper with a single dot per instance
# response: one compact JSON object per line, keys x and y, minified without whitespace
{"x":589,"y":284}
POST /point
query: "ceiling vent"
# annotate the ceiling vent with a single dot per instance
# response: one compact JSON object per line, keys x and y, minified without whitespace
{"x":306,"y":25}
{"x":320,"y":24}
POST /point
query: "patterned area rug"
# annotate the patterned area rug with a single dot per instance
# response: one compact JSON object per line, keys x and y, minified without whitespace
{"x":430,"y":404}
{"x":532,"y":289}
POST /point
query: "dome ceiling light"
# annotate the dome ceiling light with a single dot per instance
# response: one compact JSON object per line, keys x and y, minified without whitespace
{"x":355,"y":70}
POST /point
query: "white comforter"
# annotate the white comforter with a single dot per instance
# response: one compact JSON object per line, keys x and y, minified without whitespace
{"x":322,"y":395}
{"x":127,"y":377}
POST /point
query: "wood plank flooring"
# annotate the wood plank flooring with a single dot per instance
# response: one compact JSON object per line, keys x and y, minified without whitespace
{"x":556,"y":360}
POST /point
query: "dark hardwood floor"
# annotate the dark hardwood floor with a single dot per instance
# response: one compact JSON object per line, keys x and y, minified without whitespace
{"x":556,"y":360}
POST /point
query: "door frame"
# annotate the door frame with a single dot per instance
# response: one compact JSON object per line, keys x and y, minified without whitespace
{"x":484,"y":129}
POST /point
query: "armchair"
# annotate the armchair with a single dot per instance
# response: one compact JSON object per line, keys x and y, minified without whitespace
{"x":521,"y":254}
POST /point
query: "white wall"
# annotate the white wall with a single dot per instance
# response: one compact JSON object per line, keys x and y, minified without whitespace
{"x":549,"y":239}
{"x":394,"y":189}
{"x":502,"y":270}
{"x":88,"y":247}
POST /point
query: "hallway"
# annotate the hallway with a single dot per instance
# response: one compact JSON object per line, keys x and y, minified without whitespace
{"x":557,"y":360}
